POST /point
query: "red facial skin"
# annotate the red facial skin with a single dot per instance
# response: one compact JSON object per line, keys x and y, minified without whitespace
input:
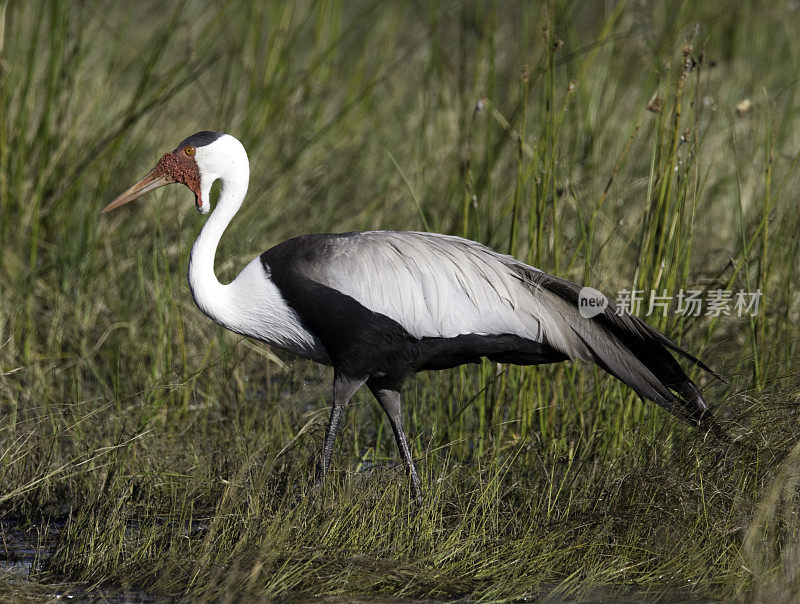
{"x":181,"y":167}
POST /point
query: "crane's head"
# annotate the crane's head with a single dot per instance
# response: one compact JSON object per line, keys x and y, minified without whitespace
{"x":197,"y":162}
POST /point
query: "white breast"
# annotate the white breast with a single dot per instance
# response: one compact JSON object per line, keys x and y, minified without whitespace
{"x":252,"y":306}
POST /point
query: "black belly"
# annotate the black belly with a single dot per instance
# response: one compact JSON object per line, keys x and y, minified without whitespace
{"x":443,"y":353}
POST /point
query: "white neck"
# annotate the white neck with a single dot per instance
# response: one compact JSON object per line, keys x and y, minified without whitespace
{"x":208,"y":292}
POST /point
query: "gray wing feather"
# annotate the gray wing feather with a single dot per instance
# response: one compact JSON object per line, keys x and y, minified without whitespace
{"x":433,"y":285}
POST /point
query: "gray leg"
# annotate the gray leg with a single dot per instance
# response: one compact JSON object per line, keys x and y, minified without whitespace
{"x":390,"y":401}
{"x":343,"y":389}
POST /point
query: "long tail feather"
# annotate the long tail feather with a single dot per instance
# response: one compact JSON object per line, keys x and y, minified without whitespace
{"x":630,"y":350}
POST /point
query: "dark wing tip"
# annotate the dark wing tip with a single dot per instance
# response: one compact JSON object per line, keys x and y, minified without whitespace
{"x":650,"y":332}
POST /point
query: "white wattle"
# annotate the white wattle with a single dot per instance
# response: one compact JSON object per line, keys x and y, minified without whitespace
{"x":251,"y":304}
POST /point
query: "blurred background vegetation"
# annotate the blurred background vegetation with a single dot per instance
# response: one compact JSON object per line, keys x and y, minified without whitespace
{"x":623,"y":145}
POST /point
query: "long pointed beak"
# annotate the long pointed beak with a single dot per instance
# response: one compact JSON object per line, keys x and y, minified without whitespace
{"x":148,"y":183}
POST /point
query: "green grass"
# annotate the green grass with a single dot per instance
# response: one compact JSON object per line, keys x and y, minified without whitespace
{"x":610,"y":144}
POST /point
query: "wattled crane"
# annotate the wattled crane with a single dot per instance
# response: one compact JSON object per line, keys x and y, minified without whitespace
{"x":381,"y":305}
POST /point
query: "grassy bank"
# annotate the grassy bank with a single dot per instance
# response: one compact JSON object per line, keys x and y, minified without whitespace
{"x":626,"y":146}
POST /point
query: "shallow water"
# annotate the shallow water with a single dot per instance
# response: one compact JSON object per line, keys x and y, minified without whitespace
{"x":23,"y":548}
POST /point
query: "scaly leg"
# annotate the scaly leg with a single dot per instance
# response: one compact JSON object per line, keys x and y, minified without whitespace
{"x":344,"y":388}
{"x":389,"y":399}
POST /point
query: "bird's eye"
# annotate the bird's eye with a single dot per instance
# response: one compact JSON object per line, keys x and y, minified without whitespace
{"x":189,"y":151}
